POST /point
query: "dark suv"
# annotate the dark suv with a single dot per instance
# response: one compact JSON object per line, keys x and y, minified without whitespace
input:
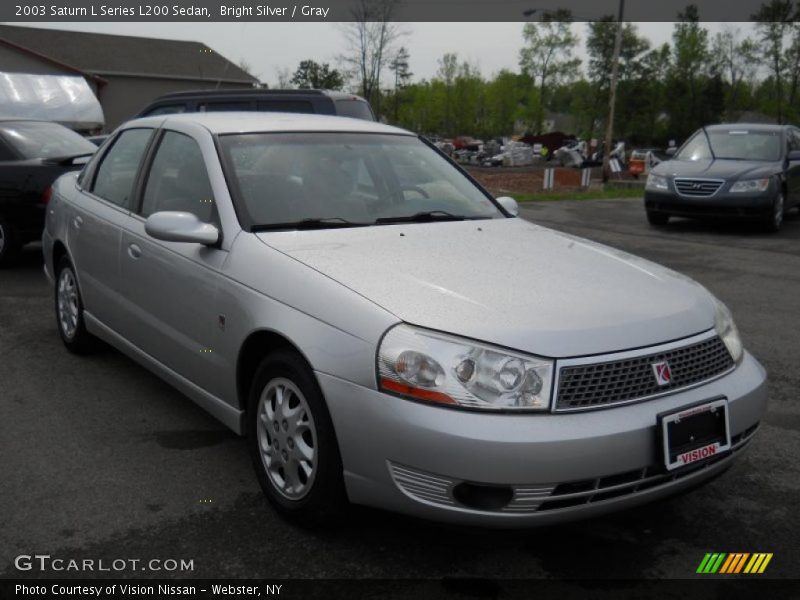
{"x":294,"y":101}
{"x":734,"y":170}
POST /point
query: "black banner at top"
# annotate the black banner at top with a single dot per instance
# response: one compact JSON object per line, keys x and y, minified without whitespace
{"x":396,"y":10}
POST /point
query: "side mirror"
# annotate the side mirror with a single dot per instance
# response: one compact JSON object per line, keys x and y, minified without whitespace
{"x":509,"y":205}
{"x":170,"y":226}
{"x":793,"y":156}
{"x":671,"y":151}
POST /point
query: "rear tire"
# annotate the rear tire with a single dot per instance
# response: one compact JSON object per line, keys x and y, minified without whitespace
{"x":69,"y":311}
{"x":657,"y":219}
{"x":9,"y":243}
{"x":292,"y":442}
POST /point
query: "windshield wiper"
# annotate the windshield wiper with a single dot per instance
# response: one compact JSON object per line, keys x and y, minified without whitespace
{"x":322,"y":223}
{"x":422,"y":217}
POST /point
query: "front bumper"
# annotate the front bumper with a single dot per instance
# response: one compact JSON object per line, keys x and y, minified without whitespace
{"x":722,"y":204}
{"x":409,"y":457}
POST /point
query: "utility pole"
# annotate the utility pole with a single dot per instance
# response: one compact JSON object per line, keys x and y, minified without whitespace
{"x":612,"y":93}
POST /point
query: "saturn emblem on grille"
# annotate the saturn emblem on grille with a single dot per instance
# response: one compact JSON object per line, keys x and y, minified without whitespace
{"x":662,"y":372}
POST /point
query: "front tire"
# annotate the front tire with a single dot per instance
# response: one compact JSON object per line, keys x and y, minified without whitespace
{"x":657,"y":219}
{"x":292,"y":442}
{"x":775,"y":221}
{"x":69,"y":311}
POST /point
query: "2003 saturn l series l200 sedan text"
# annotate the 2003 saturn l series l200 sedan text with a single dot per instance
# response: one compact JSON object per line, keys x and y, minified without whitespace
{"x":385,"y":331}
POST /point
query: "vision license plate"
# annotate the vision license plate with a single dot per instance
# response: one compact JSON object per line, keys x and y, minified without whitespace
{"x":695,"y":433}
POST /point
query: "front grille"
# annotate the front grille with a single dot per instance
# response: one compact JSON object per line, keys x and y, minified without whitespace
{"x":602,"y":384}
{"x":697,"y":188}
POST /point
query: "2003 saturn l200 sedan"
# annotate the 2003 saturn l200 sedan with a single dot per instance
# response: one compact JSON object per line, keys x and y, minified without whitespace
{"x":385,"y":331}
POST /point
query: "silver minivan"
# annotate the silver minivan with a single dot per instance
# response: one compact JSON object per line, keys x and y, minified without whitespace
{"x":386,"y":332}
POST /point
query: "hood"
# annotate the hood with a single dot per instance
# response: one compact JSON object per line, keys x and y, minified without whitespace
{"x":717,"y":169}
{"x":508,"y":282}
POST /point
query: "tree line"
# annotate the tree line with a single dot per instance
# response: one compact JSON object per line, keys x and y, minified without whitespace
{"x":664,"y":92}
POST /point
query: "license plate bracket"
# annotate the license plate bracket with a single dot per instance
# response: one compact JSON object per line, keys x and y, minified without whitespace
{"x":694,"y":433}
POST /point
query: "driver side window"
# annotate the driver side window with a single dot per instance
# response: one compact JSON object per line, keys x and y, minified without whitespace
{"x":178,"y":180}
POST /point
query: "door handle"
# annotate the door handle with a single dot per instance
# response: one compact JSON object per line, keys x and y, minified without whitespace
{"x":134,"y":251}
{"x":77,"y":222}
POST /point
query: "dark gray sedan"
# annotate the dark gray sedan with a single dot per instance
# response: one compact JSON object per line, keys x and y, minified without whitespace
{"x":740,"y":171}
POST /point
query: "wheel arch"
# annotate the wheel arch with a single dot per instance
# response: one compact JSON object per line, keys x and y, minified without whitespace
{"x":253,"y":350}
{"x":59,"y":252}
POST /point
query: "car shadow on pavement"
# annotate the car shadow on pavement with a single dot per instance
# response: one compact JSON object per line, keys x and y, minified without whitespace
{"x":733,"y":227}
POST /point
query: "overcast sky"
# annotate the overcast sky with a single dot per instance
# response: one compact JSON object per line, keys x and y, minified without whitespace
{"x":268,"y":47}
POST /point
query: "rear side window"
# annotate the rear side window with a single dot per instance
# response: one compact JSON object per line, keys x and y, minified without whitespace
{"x":223,"y":106}
{"x":292,"y":106}
{"x":178,"y":180}
{"x":358,"y":109}
{"x":117,"y":172}
{"x":794,"y":139}
{"x":170,"y":109}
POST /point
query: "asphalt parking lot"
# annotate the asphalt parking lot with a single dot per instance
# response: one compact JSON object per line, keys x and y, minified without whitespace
{"x":100,"y":459}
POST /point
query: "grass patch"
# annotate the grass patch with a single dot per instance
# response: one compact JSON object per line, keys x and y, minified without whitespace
{"x":613,"y":192}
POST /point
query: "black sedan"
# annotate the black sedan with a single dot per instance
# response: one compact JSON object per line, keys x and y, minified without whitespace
{"x":741,"y":171}
{"x":32,"y":155}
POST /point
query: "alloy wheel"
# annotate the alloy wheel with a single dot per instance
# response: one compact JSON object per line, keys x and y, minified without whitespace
{"x":67,"y":303}
{"x":287,"y":438}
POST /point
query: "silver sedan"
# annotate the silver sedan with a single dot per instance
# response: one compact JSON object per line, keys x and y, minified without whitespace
{"x":386,"y":332}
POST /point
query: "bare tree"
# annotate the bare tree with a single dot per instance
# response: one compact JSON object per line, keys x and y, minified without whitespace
{"x":773,"y":23}
{"x":736,"y":60}
{"x":402,"y":75}
{"x":284,"y":78}
{"x":370,"y":37}
{"x":547,"y":55}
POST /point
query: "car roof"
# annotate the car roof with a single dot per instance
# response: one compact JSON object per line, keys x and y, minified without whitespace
{"x":252,"y":122}
{"x":333,"y":94}
{"x":239,"y":92}
{"x":746,"y":126}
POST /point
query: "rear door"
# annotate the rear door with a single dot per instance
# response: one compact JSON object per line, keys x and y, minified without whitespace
{"x":95,"y":224}
{"x":171,"y":287}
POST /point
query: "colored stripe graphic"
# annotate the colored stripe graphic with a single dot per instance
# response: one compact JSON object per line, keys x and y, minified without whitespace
{"x":741,"y":562}
{"x":703,"y":563}
{"x":758,"y":563}
{"x":729,"y":562}
{"x":711,"y":563}
{"x":734,"y":563}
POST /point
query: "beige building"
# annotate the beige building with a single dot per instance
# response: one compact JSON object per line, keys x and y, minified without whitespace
{"x":125,"y":72}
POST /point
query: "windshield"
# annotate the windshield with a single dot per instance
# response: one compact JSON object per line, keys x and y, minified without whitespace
{"x":41,"y":139}
{"x":347,"y":178}
{"x":735,"y":144}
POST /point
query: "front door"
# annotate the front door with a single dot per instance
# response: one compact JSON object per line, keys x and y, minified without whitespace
{"x":171,"y":287}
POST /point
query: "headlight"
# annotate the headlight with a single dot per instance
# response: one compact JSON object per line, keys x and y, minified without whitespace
{"x":751,"y":185}
{"x":656,"y":182}
{"x":726,"y":329}
{"x":416,"y":363}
